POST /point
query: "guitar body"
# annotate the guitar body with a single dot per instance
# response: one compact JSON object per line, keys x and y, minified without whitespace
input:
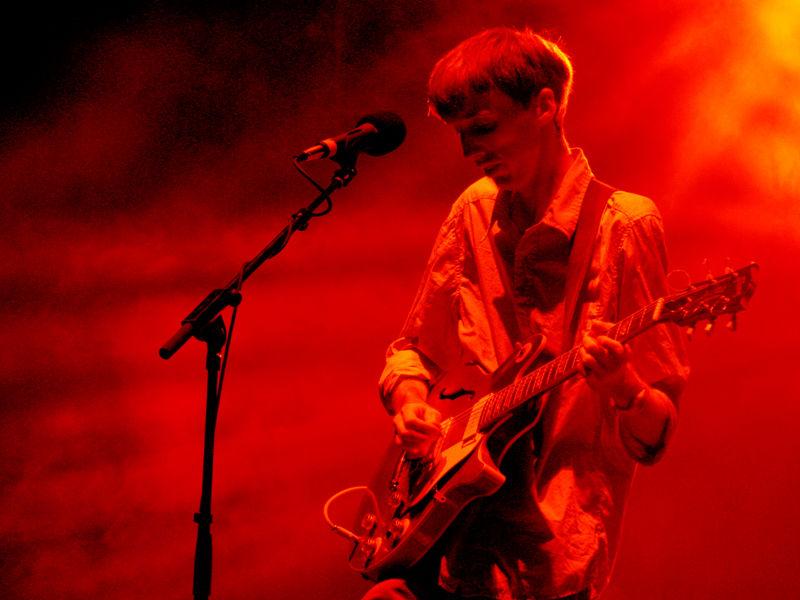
{"x":416,"y":500}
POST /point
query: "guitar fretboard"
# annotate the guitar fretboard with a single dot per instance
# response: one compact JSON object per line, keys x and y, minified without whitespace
{"x":560,"y":369}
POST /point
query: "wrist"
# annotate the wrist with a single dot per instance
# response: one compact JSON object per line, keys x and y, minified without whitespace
{"x":631,"y":392}
{"x":629,"y":400}
{"x":408,"y":390}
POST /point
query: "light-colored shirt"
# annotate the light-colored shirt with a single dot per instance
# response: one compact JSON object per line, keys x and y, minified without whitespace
{"x":553,"y":527}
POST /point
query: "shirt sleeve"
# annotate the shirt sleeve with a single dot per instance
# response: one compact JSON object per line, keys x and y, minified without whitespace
{"x":429,"y":339}
{"x":659,"y":354}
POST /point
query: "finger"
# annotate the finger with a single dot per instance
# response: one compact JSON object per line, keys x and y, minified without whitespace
{"x":421,"y":418}
{"x":433,"y":416}
{"x":413,"y":439}
{"x":599,"y":326}
{"x":590,"y":341}
{"x":414,"y":450}
{"x":582,"y":366}
{"x":612,"y":346}
{"x":399,"y":426}
{"x":422,"y":427}
{"x":595,"y":350}
{"x":590,"y":365}
{"x":616,"y":354}
{"x":408,"y":433}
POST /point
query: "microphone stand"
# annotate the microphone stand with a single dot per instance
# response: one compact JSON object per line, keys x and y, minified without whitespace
{"x":206,"y":324}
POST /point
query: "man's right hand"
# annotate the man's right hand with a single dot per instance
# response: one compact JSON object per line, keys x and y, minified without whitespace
{"x":416,"y":423}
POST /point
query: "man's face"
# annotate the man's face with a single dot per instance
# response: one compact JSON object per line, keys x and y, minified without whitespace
{"x":502,"y":137}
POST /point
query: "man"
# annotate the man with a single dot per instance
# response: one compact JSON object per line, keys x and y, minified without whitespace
{"x":497,"y":276}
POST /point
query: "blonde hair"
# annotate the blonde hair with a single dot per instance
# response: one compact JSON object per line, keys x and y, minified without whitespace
{"x":520,"y":63}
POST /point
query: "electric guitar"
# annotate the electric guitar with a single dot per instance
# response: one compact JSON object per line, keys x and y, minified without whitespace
{"x":415,"y":500}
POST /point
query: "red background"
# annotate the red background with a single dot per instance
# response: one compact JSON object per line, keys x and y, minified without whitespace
{"x":144,"y":158}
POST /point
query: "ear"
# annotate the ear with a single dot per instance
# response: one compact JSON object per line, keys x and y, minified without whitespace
{"x":546,"y":106}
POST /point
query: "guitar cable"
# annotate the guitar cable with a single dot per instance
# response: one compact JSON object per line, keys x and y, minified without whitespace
{"x":338,"y":529}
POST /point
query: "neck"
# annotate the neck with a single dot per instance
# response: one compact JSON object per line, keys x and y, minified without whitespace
{"x":553,"y":164}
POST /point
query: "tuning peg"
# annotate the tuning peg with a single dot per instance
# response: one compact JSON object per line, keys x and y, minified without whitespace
{"x":709,"y":328}
{"x":707,"y":265}
{"x":732,"y":322}
{"x":728,"y":268}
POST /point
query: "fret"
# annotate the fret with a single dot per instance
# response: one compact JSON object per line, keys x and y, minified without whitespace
{"x":558,"y":369}
{"x":497,"y":403}
{"x":575,"y":358}
{"x":643,"y":319}
{"x":641,"y":316}
{"x":485,"y":415}
{"x":530,"y":386}
{"x":479,"y":414}
{"x":628,"y":326}
{"x":646,"y":320}
{"x":494,"y":408}
{"x":520,"y":393}
{"x":625,"y":327}
{"x":511,"y":398}
{"x":523,"y":391}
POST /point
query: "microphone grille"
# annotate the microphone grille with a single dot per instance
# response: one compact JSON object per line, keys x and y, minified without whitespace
{"x":391,"y":132}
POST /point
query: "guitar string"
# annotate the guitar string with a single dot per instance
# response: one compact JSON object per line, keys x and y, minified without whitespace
{"x":619,"y":331}
{"x":613,"y":332}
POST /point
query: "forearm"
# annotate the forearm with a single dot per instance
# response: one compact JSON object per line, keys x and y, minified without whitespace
{"x":407,"y":375}
{"x":406,"y":391}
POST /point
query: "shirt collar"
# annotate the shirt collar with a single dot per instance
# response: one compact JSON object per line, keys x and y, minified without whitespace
{"x":565,"y":207}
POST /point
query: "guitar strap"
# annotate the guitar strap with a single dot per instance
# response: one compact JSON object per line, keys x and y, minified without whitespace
{"x":594,"y":202}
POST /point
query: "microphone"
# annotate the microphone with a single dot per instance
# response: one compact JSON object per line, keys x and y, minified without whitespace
{"x":376,"y":134}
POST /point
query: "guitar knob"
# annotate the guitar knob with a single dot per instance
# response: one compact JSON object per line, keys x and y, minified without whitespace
{"x":690,"y":333}
{"x":368,"y":522}
{"x":369,"y":547}
{"x":709,"y":328}
{"x":397,"y":529}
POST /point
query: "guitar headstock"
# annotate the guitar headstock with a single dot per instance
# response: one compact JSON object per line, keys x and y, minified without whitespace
{"x":707,"y":300}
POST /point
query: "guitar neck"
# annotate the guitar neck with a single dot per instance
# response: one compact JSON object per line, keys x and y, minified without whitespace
{"x":558,"y":370}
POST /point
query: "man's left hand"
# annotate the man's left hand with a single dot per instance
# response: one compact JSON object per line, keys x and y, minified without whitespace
{"x":605,"y":364}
